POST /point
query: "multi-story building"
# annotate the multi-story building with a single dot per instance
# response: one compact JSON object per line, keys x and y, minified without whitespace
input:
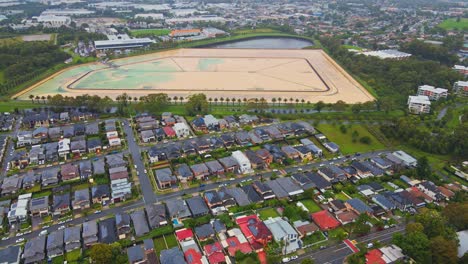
{"x":461,"y":88}
{"x":433,"y":93}
{"x":419,"y":104}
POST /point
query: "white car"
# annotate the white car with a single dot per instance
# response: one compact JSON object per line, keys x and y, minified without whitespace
{"x":43,"y":232}
{"x":98,"y":212}
{"x":19,"y":234}
{"x":146,"y":171}
{"x":275,"y":170}
{"x":20,"y":240}
{"x":286,"y":260}
{"x":5,"y":238}
{"x":231,"y":179}
{"x":293,"y":257}
{"x":61,"y":227}
{"x":135,"y":166}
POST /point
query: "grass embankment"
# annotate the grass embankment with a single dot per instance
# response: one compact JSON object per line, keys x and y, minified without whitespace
{"x":453,"y":24}
{"x":352,"y":47}
{"x":345,"y":140}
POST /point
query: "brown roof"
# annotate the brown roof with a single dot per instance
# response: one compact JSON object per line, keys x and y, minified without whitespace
{"x":446,"y":192}
{"x":69,"y":171}
{"x":309,"y":228}
{"x":454,"y":187}
{"x":347,"y":216}
{"x":119,"y":175}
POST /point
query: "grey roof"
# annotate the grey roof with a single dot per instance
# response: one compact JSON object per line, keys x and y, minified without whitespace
{"x":252,"y":194}
{"x":304,"y":181}
{"x":115,"y":160}
{"x":72,"y":234}
{"x":239,"y":195}
{"x":81,"y":195}
{"x":90,"y":228}
{"x":289,"y":186}
{"x":204,"y":231}
{"x":92,"y":129}
{"x":183,"y":170}
{"x":98,"y":167}
{"x":156,"y":214}
{"x":10,"y":254}
{"x":139,"y":222}
{"x":122,"y":219}
{"x":212,"y":196}
{"x":214,"y":166}
{"x":199,"y":168}
{"x":61,"y":200}
{"x":55,"y":241}
{"x":178,"y":208}
{"x":100,"y":190}
{"x":148,"y":244}
{"x":219,"y":226}
{"x":359,"y":205}
{"x":164,"y":175}
{"x":277,"y":190}
{"x":384,"y":202}
{"x":197,"y":205}
{"x":107,"y":231}
{"x":135,"y":254}
{"x":39,"y":203}
{"x":34,"y":248}
{"x":172,"y":256}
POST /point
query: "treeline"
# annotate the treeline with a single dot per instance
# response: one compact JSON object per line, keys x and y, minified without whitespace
{"x":93,"y":103}
{"x":25,"y":60}
{"x":437,"y":140}
{"x":74,"y":35}
{"x":430,"y":52}
{"x":392,"y":79}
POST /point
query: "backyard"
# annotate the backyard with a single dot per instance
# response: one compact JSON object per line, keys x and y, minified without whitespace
{"x":267,"y":213}
{"x":311,"y":205}
{"x":349,"y":141}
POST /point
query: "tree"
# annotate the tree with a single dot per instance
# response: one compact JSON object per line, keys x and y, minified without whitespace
{"x":365,"y":140}
{"x":175,"y":98}
{"x":457,"y":215}
{"x":319,"y":106}
{"x":356,"y":108}
{"x":273,"y":100}
{"x":339,"y":106}
{"x":31,"y":96}
{"x":443,"y":251}
{"x":101,"y":253}
{"x":197,"y":104}
{"x":360,"y":226}
{"x":423,"y":169}
{"x":414,"y":244}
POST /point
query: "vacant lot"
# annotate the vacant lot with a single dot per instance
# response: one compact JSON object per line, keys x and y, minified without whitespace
{"x":150,"y":32}
{"x":311,"y":205}
{"x":452,"y":23}
{"x":347,"y":142}
{"x":238,"y":73}
{"x":267,"y":213}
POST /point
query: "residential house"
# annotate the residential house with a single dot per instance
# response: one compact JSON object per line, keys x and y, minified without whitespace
{"x":346,"y":217}
{"x":115,"y":160}
{"x":169,"y":131}
{"x":263,"y":190}
{"x":325,"y":220}
{"x":204,"y":232}
{"x":172,"y":256}
{"x":92,"y":129}
{"x":140,"y":223}
{"x":165,"y":178}
{"x":382,"y":163}
{"x":284,"y":233}
{"x":69,"y":172}
{"x":30,"y":179}
{"x":200,"y":171}
{"x":332,"y":147}
{"x":358,"y":206}
{"x":385,"y":203}
{"x":229,"y":164}
{"x":305,"y":228}
{"x":242,"y":138}
{"x":256,"y":140}
{"x":178,"y":209}
{"x":197,"y":206}
{"x":107,"y":231}
{"x":81,"y":199}
{"x":50,"y":176}
{"x":94,"y":145}
{"x":61,"y":204}
{"x":248,"y":119}
{"x":244,"y":163}
{"x":39,"y":206}
{"x":90,"y":233}
{"x":430,"y":189}
{"x":80,"y":129}
{"x":262,"y":134}
{"x":147,"y":136}
{"x":211,"y":122}
{"x":181,"y":130}
{"x":253,"y":196}
{"x":55,"y":133}
{"x":184,"y":173}
{"x":72,"y":238}
{"x":305,"y":153}
{"x":433,"y":93}
{"x":319,"y":181}
{"x":214,"y":202}
{"x":199,"y":125}
{"x":228,"y":139}
{"x":34,"y":250}
{"x":303,"y":181}
{"x":291,"y":153}
{"x":86,"y":169}
{"x":419,"y":104}
{"x":255,"y":161}
{"x":68,"y":131}
{"x":11,"y":185}
{"x":407,"y":159}
{"x":215,"y":168}
{"x":63,"y":147}
{"x":215,"y":253}
{"x":362,"y":171}
{"x":24,"y":138}
{"x":122,"y":223}
{"x":55,"y":246}
{"x":256,"y":232}
{"x":461,"y":88}
{"x":239,"y":196}
{"x":100,"y":193}
{"x":136,"y":255}
{"x":18,"y":212}
{"x":156,"y":215}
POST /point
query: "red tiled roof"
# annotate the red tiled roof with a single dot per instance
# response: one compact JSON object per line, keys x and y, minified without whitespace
{"x":254,"y":229}
{"x":183,"y":234}
{"x":217,"y":257}
{"x":193,"y":257}
{"x":325,"y":220}
{"x":213,"y":248}
{"x":169,"y":131}
{"x":374,"y":257}
{"x":446,"y":192}
{"x":234,"y":245}
{"x":416,"y":192}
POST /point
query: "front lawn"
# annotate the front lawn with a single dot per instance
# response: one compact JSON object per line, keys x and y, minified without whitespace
{"x":337,"y":233}
{"x":267,"y":213}
{"x":314,"y":238}
{"x":58,"y":260}
{"x":452,"y":23}
{"x":341,"y":196}
{"x":311,"y":205}
{"x":349,"y":142}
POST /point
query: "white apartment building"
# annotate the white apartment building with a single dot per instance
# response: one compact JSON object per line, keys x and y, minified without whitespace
{"x":433,"y":93}
{"x":181,"y":129}
{"x":419,"y":104}
{"x":244,"y":163}
{"x":461,"y":88}
{"x":54,"y":21}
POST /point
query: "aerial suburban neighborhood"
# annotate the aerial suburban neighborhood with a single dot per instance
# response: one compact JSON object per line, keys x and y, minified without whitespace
{"x":209,"y":132}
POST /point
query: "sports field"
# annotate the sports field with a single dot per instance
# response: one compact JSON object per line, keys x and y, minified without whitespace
{"x":243,"y":73}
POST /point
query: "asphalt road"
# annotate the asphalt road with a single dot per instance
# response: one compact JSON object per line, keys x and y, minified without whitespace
{"x":149,"y":196}
{"x":336,"y":254}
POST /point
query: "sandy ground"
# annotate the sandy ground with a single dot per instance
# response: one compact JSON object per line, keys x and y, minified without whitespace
{"x":230,"y":73}
{"x":39,"y":37}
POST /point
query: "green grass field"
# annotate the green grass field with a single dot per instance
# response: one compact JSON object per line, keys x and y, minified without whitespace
{"x":311,"y":205}
{"x":73,"y":255}
{"x":9,"y":106}
{"x":150,"y":31}
{"x":171,"y":241}
{"x":452,"y":23}
{"x":341,"y":196}
{"x":352,"y":47}
{"x":159,"y":245}
{"x":345,"y":140}
{"x":267,"y":213}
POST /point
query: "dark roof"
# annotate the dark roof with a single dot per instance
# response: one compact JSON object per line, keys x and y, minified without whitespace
{"x":228,"y":161}
{"x":122,"y":219}
{"x":139,"y":222}
{"x":197,"y":205}
{"x":177,"y":208}
{"x":135,"y":254}
{"x":156,"y":214}
{"x":239,"y":195}
{"x":318,"y":180}
{"x":183,"y":170}
{"x":204,"y":231}
{"x":359,"y":205}
{"x":164,"y":175}
{"x":107,"y":231}
{"x":219,"y":226}
{"x":214,"y":166}
{"x":172,"y":256}
{"x":100,"y":190}
{"x":61,"y":201}
{"x":10,"y":254}
{"x":252,"y":194}
{"x":212,"y":197}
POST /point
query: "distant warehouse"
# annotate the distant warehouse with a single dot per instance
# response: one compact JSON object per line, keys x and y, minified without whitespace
{"x":122,"y":41}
